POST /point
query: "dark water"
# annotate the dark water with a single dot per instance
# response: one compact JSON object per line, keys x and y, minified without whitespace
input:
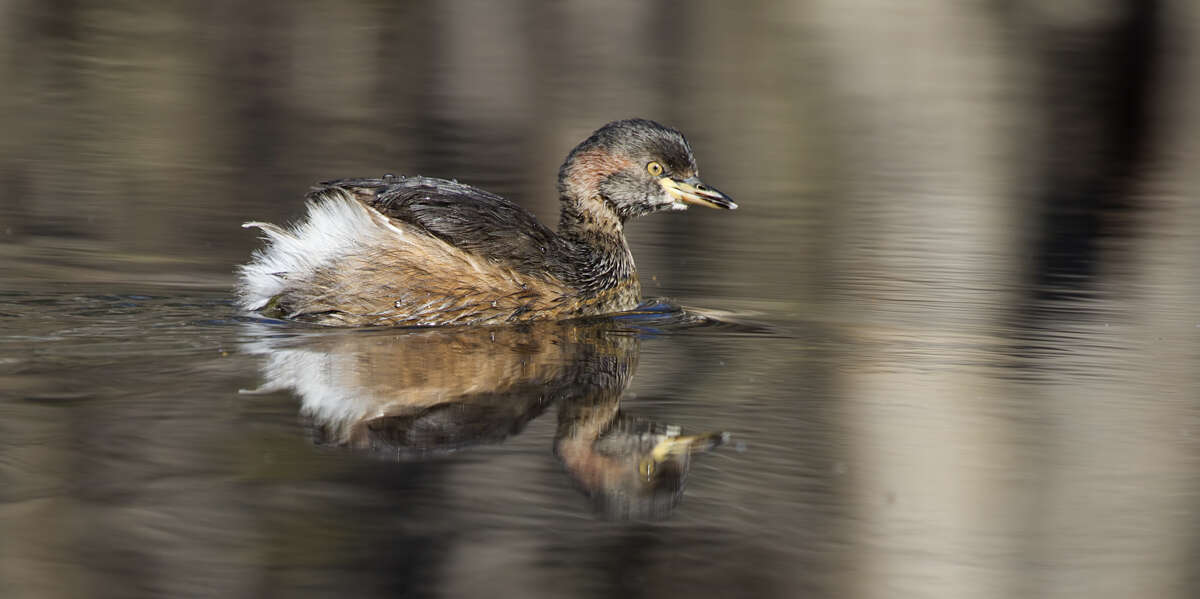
{"x":947,"y":346}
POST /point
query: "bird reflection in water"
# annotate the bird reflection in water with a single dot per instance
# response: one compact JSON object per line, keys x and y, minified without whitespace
{"x":413,"y":394}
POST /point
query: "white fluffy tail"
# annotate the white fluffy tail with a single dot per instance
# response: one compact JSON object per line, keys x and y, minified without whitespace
{"x":336,"y":225}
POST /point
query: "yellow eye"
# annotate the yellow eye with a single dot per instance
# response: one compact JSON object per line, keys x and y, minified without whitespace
{"x":655,"y":168}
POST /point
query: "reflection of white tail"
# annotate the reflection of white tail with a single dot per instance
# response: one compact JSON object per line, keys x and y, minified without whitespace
{"x":486,"y":382}
{"x":324,"y":382}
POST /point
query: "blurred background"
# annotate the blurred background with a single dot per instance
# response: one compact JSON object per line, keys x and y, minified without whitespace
{"x":967,"y":241}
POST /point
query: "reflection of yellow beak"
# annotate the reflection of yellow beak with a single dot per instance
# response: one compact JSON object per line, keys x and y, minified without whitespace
{"x":693,"y":191}
{"x":676,"y":446}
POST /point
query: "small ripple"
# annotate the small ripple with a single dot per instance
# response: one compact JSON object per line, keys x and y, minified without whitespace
{"x":658,"y":316}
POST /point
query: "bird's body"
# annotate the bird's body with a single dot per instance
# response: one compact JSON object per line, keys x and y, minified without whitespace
{"x":467,"y":256}
{"x":423,"y":251}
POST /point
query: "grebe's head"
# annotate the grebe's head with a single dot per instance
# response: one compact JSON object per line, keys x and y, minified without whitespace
{"x":637,"y":167}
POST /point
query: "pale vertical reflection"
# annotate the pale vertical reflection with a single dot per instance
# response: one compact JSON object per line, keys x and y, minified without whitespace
{"x":493,"y":560}
{"x":484,"y":77}
{"x":936,"y":484}
{"x":927,"y":88}
{"x":596,"y":61}
{"x":333,"y":52}
{"x":35,"y":531}
{"x":484,"y":81}
{"x":90,"y":101}
{"x":39,"y":531}
{"x":974,"y":485}
{"x":1119,"y":518}
{"x":753,"y":62}
{"x":608,"y":54}
{"x":135,"y":132}
{"x":129,"y":137}
{"x":925,"y":242}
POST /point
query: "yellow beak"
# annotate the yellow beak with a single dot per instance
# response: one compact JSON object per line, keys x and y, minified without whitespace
{"x":693,"y":191}
{"x":678,"y":445}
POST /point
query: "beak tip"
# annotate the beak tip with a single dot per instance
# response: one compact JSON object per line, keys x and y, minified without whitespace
{"x":692,"y":191}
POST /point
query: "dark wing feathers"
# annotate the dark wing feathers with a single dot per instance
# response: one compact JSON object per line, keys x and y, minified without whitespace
{"x":466,"y":217}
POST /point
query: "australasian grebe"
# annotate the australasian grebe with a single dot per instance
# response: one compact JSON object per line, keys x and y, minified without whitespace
{"x":423,"y":251}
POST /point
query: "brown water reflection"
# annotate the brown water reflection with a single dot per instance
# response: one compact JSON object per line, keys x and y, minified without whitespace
{"x":417,"y":394}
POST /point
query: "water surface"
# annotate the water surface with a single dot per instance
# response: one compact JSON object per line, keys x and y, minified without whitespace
{"x":947,"y":345}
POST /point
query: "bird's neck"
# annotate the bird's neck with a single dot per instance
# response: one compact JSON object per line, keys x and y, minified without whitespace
{"x":598,"y":235}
